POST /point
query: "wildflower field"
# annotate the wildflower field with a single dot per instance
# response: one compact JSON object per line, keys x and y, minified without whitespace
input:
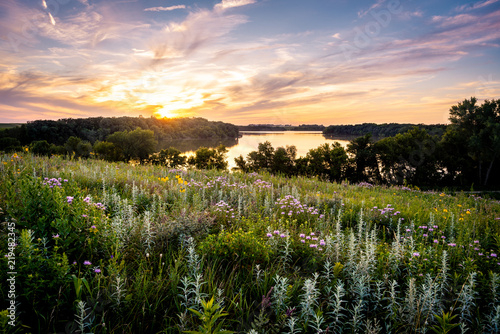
{"x":115,"y":248}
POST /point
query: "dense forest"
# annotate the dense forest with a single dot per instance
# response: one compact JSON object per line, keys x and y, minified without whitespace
{"x":381,"y":130}
{"x":99,"y":128}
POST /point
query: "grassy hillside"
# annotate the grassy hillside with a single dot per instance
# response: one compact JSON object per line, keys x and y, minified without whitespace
{"x":114,"y":248}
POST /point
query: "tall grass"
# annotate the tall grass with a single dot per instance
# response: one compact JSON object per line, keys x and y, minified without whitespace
{"x":115,"y":248}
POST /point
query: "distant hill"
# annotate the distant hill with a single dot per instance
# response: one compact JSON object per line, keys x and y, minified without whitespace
{"x":9,"y":125}
{"x":98,"y":128}
{"x":380,"y":130}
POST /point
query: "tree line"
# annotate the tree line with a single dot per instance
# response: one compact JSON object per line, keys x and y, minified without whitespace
{"x":381,"y":130}
{"x":99,"y":128}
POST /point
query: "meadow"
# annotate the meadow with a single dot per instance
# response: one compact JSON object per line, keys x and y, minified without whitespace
{"x":116,"y":248}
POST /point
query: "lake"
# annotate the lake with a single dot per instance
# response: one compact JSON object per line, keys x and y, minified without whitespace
{"x":249,"y":141}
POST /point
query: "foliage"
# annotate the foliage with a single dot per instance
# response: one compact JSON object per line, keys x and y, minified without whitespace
{"x":137,"y":144}
{"x":170,"y":157}
{"x":380,"y":130}
{"x":209,"y":158}
{"x":98,"y":128}
{"x":211,"y":313}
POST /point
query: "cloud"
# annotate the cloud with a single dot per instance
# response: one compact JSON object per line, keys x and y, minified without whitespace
{"x":377,"y":4}
{"x":476,"y":5}
{"x":225,"y":4}
{"x":160,"y":9}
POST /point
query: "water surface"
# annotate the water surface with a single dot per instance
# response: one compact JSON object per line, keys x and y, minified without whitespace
{"x":249,"y":141}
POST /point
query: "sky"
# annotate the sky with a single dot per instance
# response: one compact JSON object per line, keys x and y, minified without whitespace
{"x":247,"y":61}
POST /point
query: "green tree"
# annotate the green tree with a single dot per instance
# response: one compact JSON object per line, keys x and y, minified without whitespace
{"x":40,"y":147}
{"x":142,"y":143}
{"x":241,"y":164}
{"x":475,"y":130}
{"x":283,"y":160}
{"x":209,"y":158}
{"x":106,"y":150}
{"x":409,"y":157}
{"x":363,"y":164}
{"x":137,"y":144}
{"x":71,"y":145}
{"x":327,"y":161}
{"x":170,"y":157}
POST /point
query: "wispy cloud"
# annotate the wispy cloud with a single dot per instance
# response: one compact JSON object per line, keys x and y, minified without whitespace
{"x":161,"y":9}
{"x":225,"y":4}
{"x":475,"y":5}
{"x":376,"y":5}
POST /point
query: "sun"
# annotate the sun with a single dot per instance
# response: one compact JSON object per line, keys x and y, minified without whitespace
{"x":166,"y":113}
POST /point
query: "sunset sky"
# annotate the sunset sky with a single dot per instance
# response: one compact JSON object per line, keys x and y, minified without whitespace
{"x":247,"y":61}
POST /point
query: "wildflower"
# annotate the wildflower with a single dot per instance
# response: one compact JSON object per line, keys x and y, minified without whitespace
{"x":87,"y":263}
{"x":269,"y":235}
{"x":97,"y":270}
{"x":452,"y":244}
{"x":322,"y":242}
{"x":476,"y":241}
{"x":424,"y":235}
{"x":282,"y":235}
{"x":303,"y":241}
{"x":93,"y":229}
{"x":55,"y":236}
{"x":312,"y":233}
{"x":493,"y":255}
{"x":436,"y":241}
{"x":302,"y":235}
{"x":313,"y":245}
{"x":480,"y":254}
{"x":276,"y":232}
{"x":308,"y":238}
{"x":416,"y":254}
{"x":69,"y":199}
{"x":408,"y":230}
{"x":86,"y":199}
{"x":443,"y":237}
